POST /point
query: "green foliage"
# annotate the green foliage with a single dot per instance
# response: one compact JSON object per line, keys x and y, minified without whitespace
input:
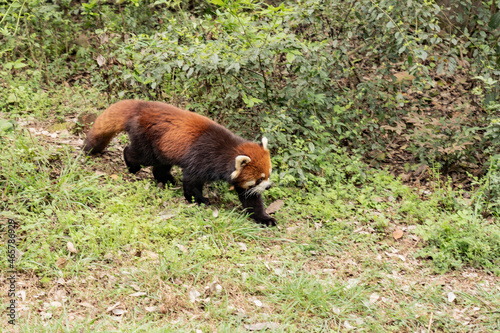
{"x":443,"y":140}
{"x":487,"y":196}
{"x":299,"y":67}
{"x":461,"y":239}
{"x":492,"y":133}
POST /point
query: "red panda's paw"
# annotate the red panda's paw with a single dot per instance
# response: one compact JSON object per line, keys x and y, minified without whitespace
{"x":203,"y":200}
{"x":268,"y":221}
{"x":198,"y":200}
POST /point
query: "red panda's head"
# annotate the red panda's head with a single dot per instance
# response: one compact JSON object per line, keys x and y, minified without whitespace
{"x":252,"y":167}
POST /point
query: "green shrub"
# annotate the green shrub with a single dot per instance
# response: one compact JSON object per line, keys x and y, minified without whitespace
{"x":462,"y":238}
{"x":487,"y":197}
{"x":257,"y":67}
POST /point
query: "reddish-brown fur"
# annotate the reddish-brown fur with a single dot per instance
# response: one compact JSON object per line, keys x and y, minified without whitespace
{"x":162,"y":135}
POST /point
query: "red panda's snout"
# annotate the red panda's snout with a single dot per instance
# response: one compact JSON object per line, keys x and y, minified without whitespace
{"x":254,"y":183}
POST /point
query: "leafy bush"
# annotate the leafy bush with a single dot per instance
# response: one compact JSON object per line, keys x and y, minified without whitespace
{"x":256,"y":66}
{"x":487,"y":197}
{"x":461,"y":239}
{"x":442,"y":140}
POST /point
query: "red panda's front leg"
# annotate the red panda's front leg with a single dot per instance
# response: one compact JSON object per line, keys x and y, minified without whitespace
{"x":254,"y":204}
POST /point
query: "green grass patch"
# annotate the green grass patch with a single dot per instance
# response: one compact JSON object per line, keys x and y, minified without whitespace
{"x":332,"y":263}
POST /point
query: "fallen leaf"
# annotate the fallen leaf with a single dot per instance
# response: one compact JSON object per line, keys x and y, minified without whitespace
{"x":275,"y":206}
{"x":193,"y":295}
{"x":167,"y":216}
{"x":243,"y":246}
{"x":151,"y":308}
{"x":405,"y":177}
{"x":257,"y":302}
{"x":267,"y":266}
{"x":61,"y":262}
{"x":262,"y":326}
{"x":451,"y":297}
{"x":397,"y":234}
{"x":348,"y":326}
{"x":114,"y":177}
{"x":137,"y":294}
{"x":40,"y":294}
{"x":215,"y":287}
{"x":421,"y":168}
{"x":150,"y":255}
{"x":396,"y":255}
{"x":71,"y":247}
{"x":215,"y":213}
{"x":351,"y":283}
{"x":374,"y":297}
{"x":403,"y":76}
{"x":45,"y":315}
{"x":182,"y":248}
{"x":119,"y":312}
{"x":55,"y":304}
{"x":112,"y":307}
{"x":86,"y":304}
{"x":21,"y":294}
{"x":101,"y":61}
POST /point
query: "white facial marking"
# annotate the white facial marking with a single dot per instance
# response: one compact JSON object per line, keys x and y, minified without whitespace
{"x":263,"y":175}
{"x":248,"y":184}
{"x":262,"y":186}
{"x":259,"y":188}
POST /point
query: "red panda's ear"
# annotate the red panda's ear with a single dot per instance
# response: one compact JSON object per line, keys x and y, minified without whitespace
{"x":264,"y":143}
{"x":239,"y":163}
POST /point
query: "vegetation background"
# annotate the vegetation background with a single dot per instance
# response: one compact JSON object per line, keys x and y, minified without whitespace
{"x":383,"y":119}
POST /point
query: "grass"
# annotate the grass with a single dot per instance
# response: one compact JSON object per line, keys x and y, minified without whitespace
{"x":146,"y":261}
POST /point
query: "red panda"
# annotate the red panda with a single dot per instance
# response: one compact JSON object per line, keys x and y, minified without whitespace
{"x":162,"y":136}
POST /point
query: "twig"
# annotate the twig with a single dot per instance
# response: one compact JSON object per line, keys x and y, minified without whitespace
{"x":343,"y":22}
{"x":430,"y":323}
{"x":222,"y":81}
{"x":265,"y":83}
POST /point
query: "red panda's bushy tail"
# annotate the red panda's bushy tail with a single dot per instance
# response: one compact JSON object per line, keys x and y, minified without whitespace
{"x":111,"y":122}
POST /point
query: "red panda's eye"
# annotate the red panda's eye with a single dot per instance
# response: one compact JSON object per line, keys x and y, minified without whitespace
{"x":260,"y":180}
